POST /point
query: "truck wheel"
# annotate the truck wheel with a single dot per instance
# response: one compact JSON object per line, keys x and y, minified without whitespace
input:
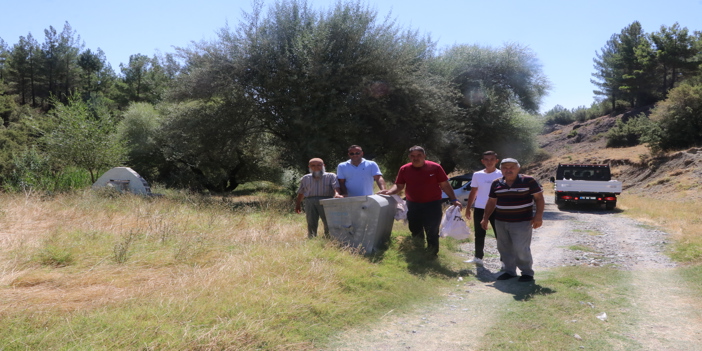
{"x":610,"y":205}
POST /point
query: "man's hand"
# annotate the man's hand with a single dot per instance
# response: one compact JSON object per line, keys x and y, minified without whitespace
{"x":484,"y":223}
{"x":536,"y":222}
{"x":468,"y":212}
{"x":456,"y":202}
{"x":395,"y":189}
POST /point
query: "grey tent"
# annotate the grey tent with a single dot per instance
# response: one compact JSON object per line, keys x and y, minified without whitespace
{"x":123,"y":179}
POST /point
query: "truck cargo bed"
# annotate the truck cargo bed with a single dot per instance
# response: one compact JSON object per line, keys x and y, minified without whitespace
{"x":589,"y":186}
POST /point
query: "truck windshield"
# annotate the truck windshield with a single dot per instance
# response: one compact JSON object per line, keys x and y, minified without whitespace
{"x":583,"y":172}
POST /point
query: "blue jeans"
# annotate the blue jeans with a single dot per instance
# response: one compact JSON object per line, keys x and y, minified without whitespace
{"x":423,"y":220}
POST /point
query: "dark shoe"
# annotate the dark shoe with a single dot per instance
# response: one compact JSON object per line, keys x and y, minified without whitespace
{"x":526,"y":278}
{"x":432,"y":251}
{"x":506,"y":276}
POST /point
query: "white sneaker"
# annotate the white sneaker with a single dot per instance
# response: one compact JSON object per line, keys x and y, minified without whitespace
{"x":475,"y":260}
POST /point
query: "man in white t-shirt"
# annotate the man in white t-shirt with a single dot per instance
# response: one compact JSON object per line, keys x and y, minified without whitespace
{"x":480,"y":189}
{"x":356,"y":176}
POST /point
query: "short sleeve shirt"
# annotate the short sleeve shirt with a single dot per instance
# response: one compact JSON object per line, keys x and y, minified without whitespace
{"x":515,"y":203}
{"x":483,"y":181}
{"x":422,"y":184}
{"x":322,"y":186}
{"x":358,"y":179}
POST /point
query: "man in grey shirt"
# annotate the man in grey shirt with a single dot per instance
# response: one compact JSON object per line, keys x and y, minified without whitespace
{"x":315,"y":186}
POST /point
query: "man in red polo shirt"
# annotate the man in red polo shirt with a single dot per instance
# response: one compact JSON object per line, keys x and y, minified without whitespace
{"x":423,"y":182}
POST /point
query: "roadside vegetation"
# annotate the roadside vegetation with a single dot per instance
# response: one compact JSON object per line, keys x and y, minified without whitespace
{"x":681,"y":219}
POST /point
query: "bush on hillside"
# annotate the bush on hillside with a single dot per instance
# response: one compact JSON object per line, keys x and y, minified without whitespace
{"x":629,"y":133}
{"x":679,"y":118}
{"x":558,"y":115}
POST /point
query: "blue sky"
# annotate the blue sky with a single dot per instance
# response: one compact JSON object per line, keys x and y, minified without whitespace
{"x":564,"y":34}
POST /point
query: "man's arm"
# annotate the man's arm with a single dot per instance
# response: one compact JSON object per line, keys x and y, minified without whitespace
{"x":337,"y":188}
{"x":538,"y":219}
{"x":380,"y":181}
{"x":298,"y":203}
{"x":342,"y":187}
{"x":489,"y":208}
{"x":471,"y":199}
{"x":446,"y":187}
{"x":395,"y":189}
{"x":337,"y":194}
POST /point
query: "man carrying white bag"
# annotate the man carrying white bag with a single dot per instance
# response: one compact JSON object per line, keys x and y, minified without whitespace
{"x":453,"y":225}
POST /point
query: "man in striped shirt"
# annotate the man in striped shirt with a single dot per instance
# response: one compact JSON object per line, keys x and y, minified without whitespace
{"x":512,"y":198}
{"x":315,"y":186}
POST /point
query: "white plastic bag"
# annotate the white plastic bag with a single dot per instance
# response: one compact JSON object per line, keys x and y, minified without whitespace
{"x":401,"y":209}
{"x":453,"y":224}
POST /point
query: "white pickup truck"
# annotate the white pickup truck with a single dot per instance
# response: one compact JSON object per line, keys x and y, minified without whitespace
{"x":586,"y":184}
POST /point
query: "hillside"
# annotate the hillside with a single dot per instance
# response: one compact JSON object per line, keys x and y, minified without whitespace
{"x":670,"y":175}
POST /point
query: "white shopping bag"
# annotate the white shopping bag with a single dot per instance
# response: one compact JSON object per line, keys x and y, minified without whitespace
{"x":401,"y":210}
{"x":453,"y":224}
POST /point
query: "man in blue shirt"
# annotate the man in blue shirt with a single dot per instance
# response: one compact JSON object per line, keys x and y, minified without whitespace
{"x":356,"y":176}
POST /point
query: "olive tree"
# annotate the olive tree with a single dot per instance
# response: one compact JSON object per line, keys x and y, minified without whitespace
{"x":83,"y":136}
{"x":497,"y":91}
{"x":214,"y":145}
{"x":139,"y":131}
{"x":321,"y":81}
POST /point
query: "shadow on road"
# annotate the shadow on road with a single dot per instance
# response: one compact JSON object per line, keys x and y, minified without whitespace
{"x":521,"y":291}
{"x":594,"y":209}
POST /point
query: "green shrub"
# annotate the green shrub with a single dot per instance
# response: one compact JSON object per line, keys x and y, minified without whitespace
{"x":679,"y":118}
{"x":629,"y":133}
{"x":32,"y":171}
{"x":558,"y":115}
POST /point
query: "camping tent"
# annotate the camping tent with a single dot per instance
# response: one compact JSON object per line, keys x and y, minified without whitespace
{"x":123,"y":179}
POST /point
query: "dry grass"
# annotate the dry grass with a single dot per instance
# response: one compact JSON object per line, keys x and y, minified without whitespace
{"x":97,"y":271}
{"x":679,"y":217}
{"x":159,"y":233}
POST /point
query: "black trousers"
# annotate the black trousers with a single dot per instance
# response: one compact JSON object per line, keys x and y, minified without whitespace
{"x":424,"y":220}
{"x":480,"y":232}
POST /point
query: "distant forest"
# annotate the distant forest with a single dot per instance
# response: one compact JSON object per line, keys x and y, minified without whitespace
{"x":292,"y":82}
{"x":635,"y":70}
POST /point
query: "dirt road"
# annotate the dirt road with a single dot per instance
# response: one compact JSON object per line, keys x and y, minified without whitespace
{"x":668,"y":317}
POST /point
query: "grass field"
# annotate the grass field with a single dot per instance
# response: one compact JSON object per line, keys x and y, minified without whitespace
{"x":95,"y":270}
{"x":98,"y":271}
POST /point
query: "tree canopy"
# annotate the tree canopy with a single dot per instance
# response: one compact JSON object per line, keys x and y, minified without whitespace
{"x":636,"y":69}
{"x":288,"y":83}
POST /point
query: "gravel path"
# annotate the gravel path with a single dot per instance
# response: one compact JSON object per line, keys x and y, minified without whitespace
{"x":669,"y":317}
